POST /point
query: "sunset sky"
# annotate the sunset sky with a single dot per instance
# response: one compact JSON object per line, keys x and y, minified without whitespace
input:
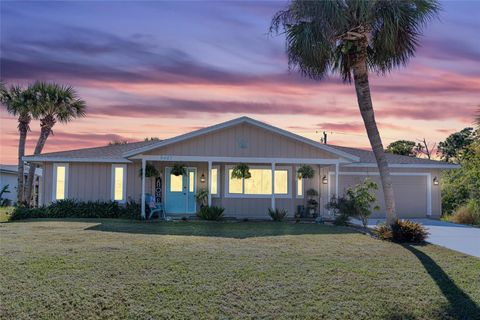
{"x":165,"y":68}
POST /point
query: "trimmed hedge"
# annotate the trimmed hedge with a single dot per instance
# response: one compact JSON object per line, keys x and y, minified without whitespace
{"x":77,"y":209}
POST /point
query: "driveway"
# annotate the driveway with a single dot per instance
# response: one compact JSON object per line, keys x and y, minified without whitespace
{"x":453,"y":236}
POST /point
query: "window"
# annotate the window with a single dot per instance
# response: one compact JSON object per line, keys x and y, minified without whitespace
{"x":260,"y":183}
{"x":176,"y":183}
{"x":281,"y":181}
{"x":119,"y":177}
{"x":191,"y":181}
{"x":60,"y":178}
{"x":299,"y":187}
{"x":214,"y":181}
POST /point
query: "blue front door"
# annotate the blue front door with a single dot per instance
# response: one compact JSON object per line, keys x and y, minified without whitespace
{"x":180,"y":191}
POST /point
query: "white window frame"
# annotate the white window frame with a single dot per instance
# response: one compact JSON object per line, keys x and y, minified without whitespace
{"x":124,"y":184}
{"x":258,"y":196}
{"x":297,"y":183}
{"x":216,"y":195}
{"x":54,"y":189}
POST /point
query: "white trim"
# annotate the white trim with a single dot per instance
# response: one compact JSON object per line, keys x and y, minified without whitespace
{"x":54,"y":189}
{"x":336,"y":180}
{"x":124,"y":182}
{"x":144,"y":168}
{"x":239,"y":159}
{"x":237,"y":121}
{"x":67,"y":159}
{"x":421,"y":174}
{"x":257,"y":196}
{"x":273,"y":185}
{"x":410,"y":165}
{"x":209,"y":184}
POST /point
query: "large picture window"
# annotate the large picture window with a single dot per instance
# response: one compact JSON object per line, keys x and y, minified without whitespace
{"x":60,"y":178}
{"x":119,"y":176}
{"x":260,"y":183}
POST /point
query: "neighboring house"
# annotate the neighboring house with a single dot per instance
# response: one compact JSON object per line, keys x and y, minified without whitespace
{"x":8,"y":176}
{"x":114,"y":172}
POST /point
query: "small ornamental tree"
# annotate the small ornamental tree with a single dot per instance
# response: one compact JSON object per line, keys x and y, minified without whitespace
{"x":358,"y":202}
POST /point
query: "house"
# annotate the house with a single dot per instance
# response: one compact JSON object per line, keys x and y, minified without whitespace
{"x":8,"y":176}
{"x":209,"y":156}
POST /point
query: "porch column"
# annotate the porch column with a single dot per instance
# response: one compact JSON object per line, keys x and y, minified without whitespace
{"x":273,"y":185}
{"x":209,"y":185}
{"x":144,"y":164}
{"x":336,"y":180}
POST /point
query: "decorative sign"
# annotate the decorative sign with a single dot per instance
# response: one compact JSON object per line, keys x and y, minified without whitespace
{"x":158,"y":190}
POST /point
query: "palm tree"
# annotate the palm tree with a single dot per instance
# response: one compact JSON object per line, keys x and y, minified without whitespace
{"x":353,"y":37}
{"x":20,"y":103}
{"x":57,"y":103}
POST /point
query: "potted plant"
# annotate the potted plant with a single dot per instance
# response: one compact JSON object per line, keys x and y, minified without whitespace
{"x":202,"y":197}
{"x":178,"y":169}
{"x":150,"y":171}
{"x":312,"y":203}
{"x":241,"y":171}
{"x":305,"y":172}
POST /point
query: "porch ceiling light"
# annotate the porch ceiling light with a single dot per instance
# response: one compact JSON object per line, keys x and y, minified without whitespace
{"x":324,"y":180}
{"x":435,"y":181}
{"x":202,"y":178}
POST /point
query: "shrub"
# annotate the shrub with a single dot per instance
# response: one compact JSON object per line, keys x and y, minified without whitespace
{"x":211,"y":213}
{"x":76,"y":209}
{"x":402,"y":231}
{"x":357,"y":202}
{"x":468,"y":213}
{"x":277,"y":214}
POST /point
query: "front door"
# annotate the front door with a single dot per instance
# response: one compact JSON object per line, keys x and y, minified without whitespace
{"x":180,"y":191}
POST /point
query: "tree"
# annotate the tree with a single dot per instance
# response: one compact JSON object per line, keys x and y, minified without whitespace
{"x":20,"y":103}
{"x":117,"y":142}
{"x":454,"y":147}
{"x":425,"y":148}
{"x":152,"y":139}
{"x":403,"y":148}
{"x":57,"y":103}
{"x":477,"y":118}
{"x":352,"y":38}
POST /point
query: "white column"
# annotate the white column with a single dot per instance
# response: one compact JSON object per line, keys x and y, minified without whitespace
{"x":273,"y":185}
{"x":336,"y":180}
{"x":144,"y":165}
{"x":209,"y":185}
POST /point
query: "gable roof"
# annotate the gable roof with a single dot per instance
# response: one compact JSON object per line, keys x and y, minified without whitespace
{"x":120,"y":153}
{"x":238,"y":121}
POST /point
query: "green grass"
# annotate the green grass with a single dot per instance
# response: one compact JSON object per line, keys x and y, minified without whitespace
{"x":112,"y":269}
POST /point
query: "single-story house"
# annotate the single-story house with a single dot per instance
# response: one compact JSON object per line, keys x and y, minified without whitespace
{"x":8,"y":177}
{"x":209,"y":155}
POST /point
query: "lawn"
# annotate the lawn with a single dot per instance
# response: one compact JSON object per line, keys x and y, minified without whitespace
{"x":113,"y":269}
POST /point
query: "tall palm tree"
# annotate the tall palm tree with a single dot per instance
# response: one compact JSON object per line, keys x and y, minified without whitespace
{"x":20,"y":103}
{"x":353,"y":37}
{"x":57,"y":104}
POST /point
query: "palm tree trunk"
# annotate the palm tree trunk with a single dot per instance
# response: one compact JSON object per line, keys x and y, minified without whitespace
{"x":23,"y":123}
{"x":362,"y":87}
{"x":46,"y":128}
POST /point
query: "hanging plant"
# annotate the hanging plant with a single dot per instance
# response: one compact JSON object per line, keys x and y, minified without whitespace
{"x":178,"y":170}
{"x":150,"y":171}
{"x":305,"y":172}
{"x":241,"y":171}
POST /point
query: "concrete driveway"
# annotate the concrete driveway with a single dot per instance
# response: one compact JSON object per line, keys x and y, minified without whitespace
{"x":453,"y":236}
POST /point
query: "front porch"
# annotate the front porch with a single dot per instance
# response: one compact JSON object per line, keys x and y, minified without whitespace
{"x":274,"y":184}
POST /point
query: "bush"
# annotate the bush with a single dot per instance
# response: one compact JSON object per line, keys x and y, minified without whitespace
{"x":211,"y":213}
{"x":358,"y":202}
{"x":76,"y":209}
{"x":469,"y":213}
{"x":277,"y":214}
{"x":402,"y":231}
